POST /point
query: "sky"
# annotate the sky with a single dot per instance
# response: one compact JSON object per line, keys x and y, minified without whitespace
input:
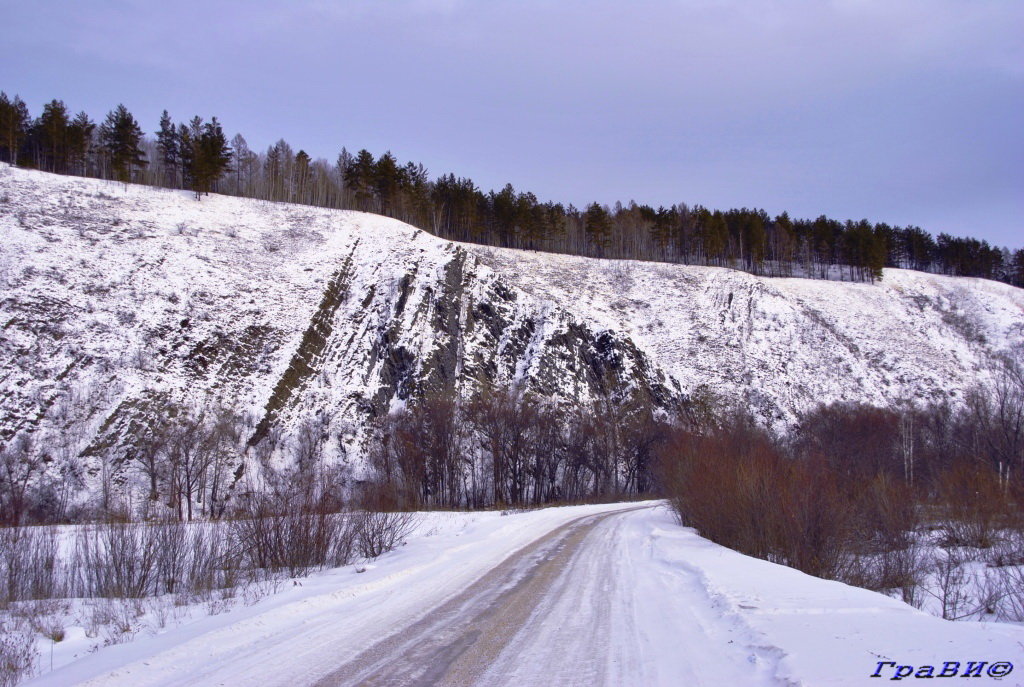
{"x":902,"y":111}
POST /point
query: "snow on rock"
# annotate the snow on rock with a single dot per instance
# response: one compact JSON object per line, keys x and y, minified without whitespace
{"x":785,"y":345}
{"x":117,"y":300}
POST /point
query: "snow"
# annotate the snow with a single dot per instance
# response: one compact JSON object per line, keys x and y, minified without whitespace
{"x":112,"y":292}
{"x":785,"y":344}
{"x":641,"y":601}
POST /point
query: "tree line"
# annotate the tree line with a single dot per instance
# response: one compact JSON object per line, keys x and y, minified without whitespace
{"x":197,"y":155}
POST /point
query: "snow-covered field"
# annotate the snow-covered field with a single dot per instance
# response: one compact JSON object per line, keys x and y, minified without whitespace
{"x":587,"y":595}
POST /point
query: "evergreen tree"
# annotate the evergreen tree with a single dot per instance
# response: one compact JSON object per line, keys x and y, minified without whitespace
{"x":189,"y":138}
{"x":196,"y":155}
{"x":272,"y":171}
{"x":52,"y":132}
{"x":783,"y":243}
{"x":1017,"y":268}
{"x":505,"y":211}
{"x":14,"y":120}
{"x":387,"y":181}
{"x":120,"y":137}
{"x":755,"y":240}
{"x":168,"y":146}
{"x":343,"y":162}
{"x":277,"y":168}
{"x":598,"y":226}
{"x":359,"y":178}
{"x":211,"y":155}
{"x":662,"y":224}
{"x":79,"y":142}
{"x":302,"y":176}
{"x":417,"y":189}
{"x":715,"y":235}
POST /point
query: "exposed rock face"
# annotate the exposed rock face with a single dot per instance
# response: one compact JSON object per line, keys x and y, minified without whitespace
{"x":117,"y":301}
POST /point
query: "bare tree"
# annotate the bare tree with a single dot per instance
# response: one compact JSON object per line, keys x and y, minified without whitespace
{"x":997,"y":416}
{"x":20,"y":464}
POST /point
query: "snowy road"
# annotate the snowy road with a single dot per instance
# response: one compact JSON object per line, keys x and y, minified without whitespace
{"x":591,"y":595}
{"x":549,"y":615}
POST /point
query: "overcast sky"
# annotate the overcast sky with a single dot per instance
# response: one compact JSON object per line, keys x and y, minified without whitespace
{"x":904,"y":111}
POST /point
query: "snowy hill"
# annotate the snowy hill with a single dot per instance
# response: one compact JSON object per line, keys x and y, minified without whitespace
{"x":116,"y":300}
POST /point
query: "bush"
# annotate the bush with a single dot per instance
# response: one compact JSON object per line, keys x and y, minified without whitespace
{"x":974,"y":507}
{"x":18,"y":656}
{"x":118,"y":560}
{"x":737,"y":488}
{"x":293,"y":533}
{"x":378,"y":532}
{"x":30,"y":567}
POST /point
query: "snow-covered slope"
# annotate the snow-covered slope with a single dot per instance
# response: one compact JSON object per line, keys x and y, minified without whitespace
{"x":785,"y":345}
{"x":118,"y":299}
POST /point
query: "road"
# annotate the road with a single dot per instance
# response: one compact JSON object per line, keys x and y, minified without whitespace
{"x":595,"y":595}
{"x":559,"y":612}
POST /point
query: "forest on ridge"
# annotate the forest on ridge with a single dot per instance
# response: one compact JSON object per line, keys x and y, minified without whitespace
{"x":197,"y":155}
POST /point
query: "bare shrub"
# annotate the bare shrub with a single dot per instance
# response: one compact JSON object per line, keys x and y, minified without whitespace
{"x":54,"y":631}
{"x":30,"y":567}
{"x":814,"y":531}
{"x":1012,"y":607}
{"x":378,"y":532}
{"x":122,"y":622}
{"x":1006,"y":560}
{"x":20,"y":463}
{"x":117,"y":560}
{"x":160,"y":610}
{"x":18,"y":655}
{"x":887,"y":555}
{"x":737,"y":488}
{"x":214,"y":564}
{"x":902,"y":569}
{"x":886,"y":513}
{"x":171,"y":557}
{"x":950,"y":584}
{"x":292,"y":535}
{"x":343,"y":546}
{"x":973,"y":505}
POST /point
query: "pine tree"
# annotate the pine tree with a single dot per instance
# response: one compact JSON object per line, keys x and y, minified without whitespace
{"x":715,"y":235}
{"x":756,"y":240}
{"x":52,"y":131}
{"x":168,"y":146}
{"x":302,"y":176}
{"x":277,"y":170}
{"x":120,"y":137}
{"x":189,"y":137}
{"x":598,"y":226}
{"x":14,"y":121}
{"x":359,"y":179}
{"x":209,"y":155}
{"x":387,"y":180}
{"x":660,"y":223}
{"x":79,"y":141}
{"x":1017,"y":268}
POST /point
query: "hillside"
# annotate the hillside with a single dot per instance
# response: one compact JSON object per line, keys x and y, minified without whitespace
{"x":120,"y":299}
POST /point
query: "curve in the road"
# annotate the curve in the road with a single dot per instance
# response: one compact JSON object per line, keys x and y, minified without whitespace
{"x":561,"y":611}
